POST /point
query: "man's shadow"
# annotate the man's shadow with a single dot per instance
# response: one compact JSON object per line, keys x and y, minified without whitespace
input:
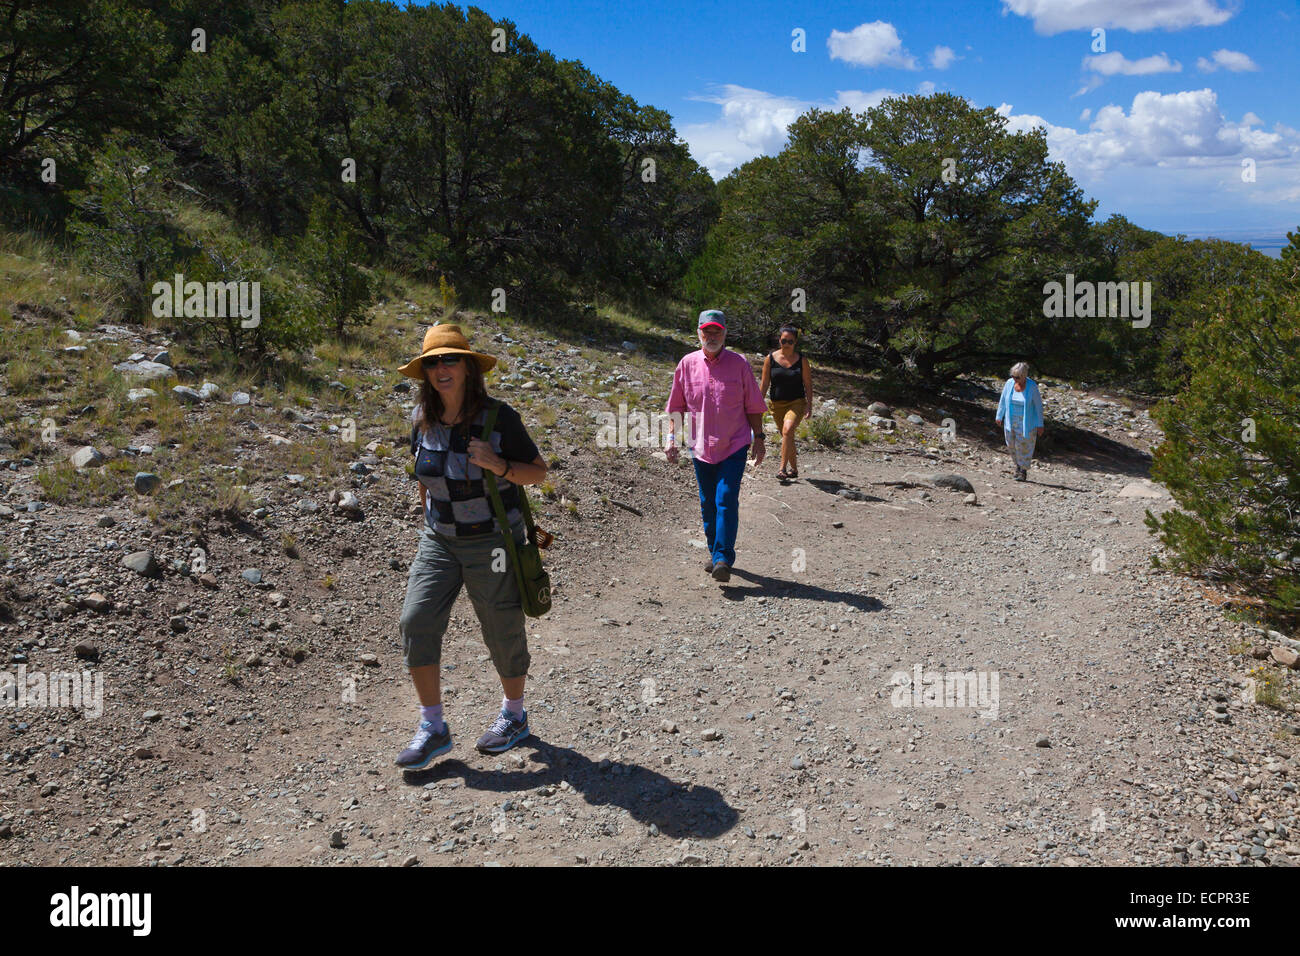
{"x":678,"y":810}
{"x":779,"y":587}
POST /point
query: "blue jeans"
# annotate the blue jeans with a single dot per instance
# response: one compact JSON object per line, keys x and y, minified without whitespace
{"x":720,"y":503}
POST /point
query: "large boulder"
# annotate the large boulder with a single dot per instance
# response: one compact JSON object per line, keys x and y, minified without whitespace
{"x":1141,"y":489}
{"x":953,"y":483}
{"x":87,"y":457}
{"x":142,"y":563}
{"x":348,"y":504}
{"x":938,"y":479}
{"x":145,"y":482}
{"x":146,"y":371}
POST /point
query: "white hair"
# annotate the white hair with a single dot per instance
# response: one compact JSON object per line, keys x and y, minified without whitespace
{"x":1020,"y":368}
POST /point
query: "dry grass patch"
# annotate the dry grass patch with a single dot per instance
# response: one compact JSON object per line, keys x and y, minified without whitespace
{"x":64,"y":485}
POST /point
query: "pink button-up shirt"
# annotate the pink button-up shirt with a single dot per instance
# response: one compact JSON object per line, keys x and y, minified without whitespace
{"x":718,"y":394}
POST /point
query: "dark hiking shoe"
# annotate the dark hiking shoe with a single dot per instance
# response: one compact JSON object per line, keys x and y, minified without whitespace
{"x":424,"y":746}
{"x":722,"y":572}
{"x":505,"y":732}
{"x":708,"y":566}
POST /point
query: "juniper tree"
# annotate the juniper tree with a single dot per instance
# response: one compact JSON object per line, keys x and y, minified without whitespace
{"x":1231,"y":454}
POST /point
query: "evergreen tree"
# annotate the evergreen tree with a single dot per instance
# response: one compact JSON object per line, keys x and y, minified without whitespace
{"x":918,"y":234}
{"x":330,"y":254}
{"x":122,"y":221}
{"x":1231,"y":454}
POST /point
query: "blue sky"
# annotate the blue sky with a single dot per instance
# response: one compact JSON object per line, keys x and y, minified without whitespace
{"x":1156,"y":126}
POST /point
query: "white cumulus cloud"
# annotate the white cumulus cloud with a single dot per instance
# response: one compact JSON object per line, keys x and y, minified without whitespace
{"x":1168,"y":147}
{"x":1057,"y":16}
{"x":856,"y":100}
{"x":871,"y":44}
{"x":1186,"y":128}
{"x":754,"y":123}
{"x":1112,"y":64}
{"x":1230,"y":60}
{"x":943,"y":57}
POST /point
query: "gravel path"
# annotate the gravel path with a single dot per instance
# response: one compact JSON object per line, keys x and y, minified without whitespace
{"x":676,"y":721}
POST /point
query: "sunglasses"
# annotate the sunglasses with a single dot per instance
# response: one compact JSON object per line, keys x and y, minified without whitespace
{"x":433,"y":361}
{"x":787,"y":341}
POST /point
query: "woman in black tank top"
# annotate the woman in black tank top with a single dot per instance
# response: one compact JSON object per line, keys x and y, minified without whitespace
{"x":787,"y":383}
{"x":790,"y":379}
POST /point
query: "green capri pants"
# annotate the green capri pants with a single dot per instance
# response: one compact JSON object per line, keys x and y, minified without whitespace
{"x":441,"y":565}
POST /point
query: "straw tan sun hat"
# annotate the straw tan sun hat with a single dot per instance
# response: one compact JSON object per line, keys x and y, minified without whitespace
{"x":445,"y":340}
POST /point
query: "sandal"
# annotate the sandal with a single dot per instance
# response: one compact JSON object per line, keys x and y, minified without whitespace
{"x":792,"y":473}
{"x":782,"y":475}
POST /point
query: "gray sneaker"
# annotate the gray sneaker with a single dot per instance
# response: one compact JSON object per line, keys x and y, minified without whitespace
{"x":424,"y":746}
{"x":722,"y":572}
{"x":505,"y":732}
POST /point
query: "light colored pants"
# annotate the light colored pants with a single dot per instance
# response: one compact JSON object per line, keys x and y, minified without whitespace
{"x":1022,"y":448}
{"x":442,"y":564}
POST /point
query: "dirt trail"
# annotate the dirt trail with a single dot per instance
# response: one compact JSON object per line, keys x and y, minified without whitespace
{"x":1098,"y":748}
{"x":679,"y":721}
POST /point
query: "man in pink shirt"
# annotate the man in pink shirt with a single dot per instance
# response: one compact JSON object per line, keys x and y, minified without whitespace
{"x":717,"y":388}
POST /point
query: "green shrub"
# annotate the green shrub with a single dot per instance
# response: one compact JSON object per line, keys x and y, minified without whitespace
{"x":288,"y":316}
{"x":122,"y":221}
{"x":825,"y":431}
{"x":1231,"y":455}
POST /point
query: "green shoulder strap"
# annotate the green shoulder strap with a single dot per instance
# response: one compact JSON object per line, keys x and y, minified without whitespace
{"x":498,"y":508}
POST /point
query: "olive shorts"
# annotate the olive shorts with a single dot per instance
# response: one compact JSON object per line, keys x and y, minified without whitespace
{"x":440,"y":566}
{"x":783,"y":410}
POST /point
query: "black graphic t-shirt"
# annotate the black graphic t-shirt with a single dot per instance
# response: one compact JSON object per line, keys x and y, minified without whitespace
{"x":458,"y":502}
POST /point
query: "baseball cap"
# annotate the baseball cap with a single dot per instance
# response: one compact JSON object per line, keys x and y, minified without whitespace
{"x":712,"y":317}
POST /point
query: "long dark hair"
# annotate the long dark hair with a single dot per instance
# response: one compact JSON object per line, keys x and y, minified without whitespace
{"x":475,"y":396}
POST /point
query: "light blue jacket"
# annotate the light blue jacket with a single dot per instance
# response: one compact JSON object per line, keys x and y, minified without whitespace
{"x":1033,"y":406}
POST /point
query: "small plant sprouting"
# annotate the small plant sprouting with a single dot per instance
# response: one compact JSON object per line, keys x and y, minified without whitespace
{"x":230,"y":670}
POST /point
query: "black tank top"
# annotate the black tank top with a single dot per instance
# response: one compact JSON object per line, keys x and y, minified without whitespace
{"x":787,"y":383}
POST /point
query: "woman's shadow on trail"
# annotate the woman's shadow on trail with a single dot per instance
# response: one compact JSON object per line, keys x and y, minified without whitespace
{"x":678,"y":810}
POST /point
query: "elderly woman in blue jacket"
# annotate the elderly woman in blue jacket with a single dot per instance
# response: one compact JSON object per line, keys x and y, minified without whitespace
{"x":1020,"y":413}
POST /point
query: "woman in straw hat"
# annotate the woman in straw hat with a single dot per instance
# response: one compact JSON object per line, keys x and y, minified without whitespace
{"x":461,"y":540}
